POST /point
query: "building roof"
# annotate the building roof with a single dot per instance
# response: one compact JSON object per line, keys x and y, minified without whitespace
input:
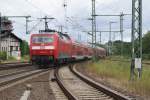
{"x":12,"y":34}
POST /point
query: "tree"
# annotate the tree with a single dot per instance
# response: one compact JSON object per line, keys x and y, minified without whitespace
{"x":146,"y":43}
{"x":117,"y":48}
{"x":24,"y":48}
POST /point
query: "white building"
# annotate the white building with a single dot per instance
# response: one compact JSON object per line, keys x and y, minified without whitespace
{"x":10,"y":43}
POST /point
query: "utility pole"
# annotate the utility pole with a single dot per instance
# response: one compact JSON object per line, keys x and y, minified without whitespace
{"x":27,"y":20}
{"x":136,"y":61}
{"x":109,"y":42}
{"x":65,"y":13}
{"x":113,"y":40}
{"x":61,"y":28}
{"x":91,"y":34}
{"x":0,"y":29}
{"x":110,"y":38}
{"x":93,"y":24}
{"x":121,"y":32}
{"x":94,"y":28}
{"x":121,"y":15}
{"x":26,"y":17}
{"x":100,"y":37}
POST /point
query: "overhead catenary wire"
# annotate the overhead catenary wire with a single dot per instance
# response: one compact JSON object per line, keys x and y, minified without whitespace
{"x":35,"y":26}
{"x":75,"y":24}
{"x":38,"y":9}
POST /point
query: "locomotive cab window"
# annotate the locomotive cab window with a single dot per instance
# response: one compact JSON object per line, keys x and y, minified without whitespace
{"x":42,"y":39}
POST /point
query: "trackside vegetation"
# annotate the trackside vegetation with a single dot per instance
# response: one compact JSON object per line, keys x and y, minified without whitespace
{"x":117,"y":73}
{"x":3,"y":55}
{"x":116,"y":49}
{"x":24,"y":47}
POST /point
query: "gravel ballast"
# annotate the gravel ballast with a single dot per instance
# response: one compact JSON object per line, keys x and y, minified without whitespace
{"x":40,"y":90}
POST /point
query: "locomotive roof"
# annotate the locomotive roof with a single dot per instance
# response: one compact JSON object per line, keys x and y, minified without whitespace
{"x":48,"y":30}
{"x":43,"y":32}
{"x":80,"y":44}
{"x":65,"y":35}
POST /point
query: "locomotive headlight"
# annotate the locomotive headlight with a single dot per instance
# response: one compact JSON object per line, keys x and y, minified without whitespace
{"x":35,"y":47}
{"x":43,"y":47}
{"x":49,"y":47}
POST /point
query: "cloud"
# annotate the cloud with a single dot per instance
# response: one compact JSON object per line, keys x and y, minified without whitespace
{"x":77,"y":10}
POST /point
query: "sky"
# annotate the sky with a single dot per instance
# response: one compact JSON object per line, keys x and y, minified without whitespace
{"x":78,"y":11}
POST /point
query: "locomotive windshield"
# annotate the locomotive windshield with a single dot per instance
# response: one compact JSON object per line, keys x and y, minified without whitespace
{"x":42,"y":39}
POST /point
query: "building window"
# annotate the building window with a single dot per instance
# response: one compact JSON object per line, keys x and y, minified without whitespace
{"x":16,"y":48}
{"x":11,"y":48}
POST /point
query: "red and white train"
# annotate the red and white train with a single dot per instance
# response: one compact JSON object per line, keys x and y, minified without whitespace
{"x":56,"y":47}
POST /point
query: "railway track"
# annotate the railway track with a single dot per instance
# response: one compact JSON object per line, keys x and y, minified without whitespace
{"x":7,"y":66}
{"x":57,"y":92}
{"x":6,"y":80}
{"x":12,"y":71}
{"x":78,"y":87}
{"x":14,"y":63}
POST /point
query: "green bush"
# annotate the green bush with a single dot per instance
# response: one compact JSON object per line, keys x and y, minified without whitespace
{"x":11,"y":58}
{"x":146,"y":56}
{"x":3,"y":55}
{"x":25,"y":58}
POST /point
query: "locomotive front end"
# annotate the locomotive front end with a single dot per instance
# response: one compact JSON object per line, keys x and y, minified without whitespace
{"x":42,"y":49}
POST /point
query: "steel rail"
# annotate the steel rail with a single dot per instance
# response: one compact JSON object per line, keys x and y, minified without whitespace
{"x":116,"y":95}
{"x":13,"y":65}
{"x":14,"y":73}
{"x":62,"y":86}
{"x":22,"y":76}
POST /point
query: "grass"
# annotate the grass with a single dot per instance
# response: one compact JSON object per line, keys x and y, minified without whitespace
{"x":25,"y":58}
{"x":118,"y":73}
{"x":127,"y":58}
{"x":12,"y":59}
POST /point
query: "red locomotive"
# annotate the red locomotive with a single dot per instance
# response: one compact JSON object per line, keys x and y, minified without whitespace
{"x":56,"y":47}
{"x":50,"y":47}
